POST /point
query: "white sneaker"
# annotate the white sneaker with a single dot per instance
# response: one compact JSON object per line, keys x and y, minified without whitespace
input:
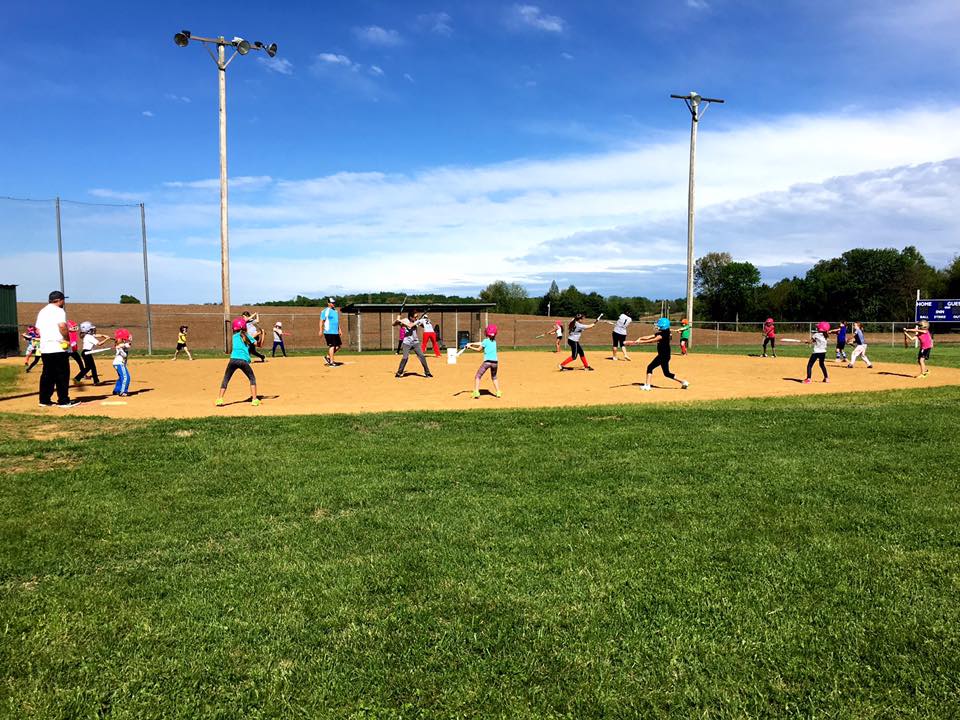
{"x":684,"y":385}
{"x":646,"y":387}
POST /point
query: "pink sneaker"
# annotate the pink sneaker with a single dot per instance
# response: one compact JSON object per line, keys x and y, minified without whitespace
{"x":807,"y":381}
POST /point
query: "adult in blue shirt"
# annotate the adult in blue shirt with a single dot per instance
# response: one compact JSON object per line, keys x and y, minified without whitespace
{"x":330,"y":329}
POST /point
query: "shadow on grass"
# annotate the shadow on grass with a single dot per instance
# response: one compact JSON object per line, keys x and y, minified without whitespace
{"x":895,"y":374}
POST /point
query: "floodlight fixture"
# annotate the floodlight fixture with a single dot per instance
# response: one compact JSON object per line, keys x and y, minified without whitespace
{"x":242,"y":46}
{"x":182,"y":38}
{"x":272,"y":49}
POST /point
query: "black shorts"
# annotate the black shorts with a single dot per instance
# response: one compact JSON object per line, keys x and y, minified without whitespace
{"x":925,"y":354}
{"x":618,"y":340}
{"x":333,"y":340}
{"x":181,"y":346}
{"x":841,"y":344}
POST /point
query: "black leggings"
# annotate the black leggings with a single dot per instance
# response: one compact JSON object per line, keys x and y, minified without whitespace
{"x":772,"y":341}
{"x":234,"y":365}
{"x":279,"y":345}
{"x":661,"y":361}
{"x":576,"y":349}
{"x":89,"y":368}
{"x":257,"y":353}
{"x":814,"y":357}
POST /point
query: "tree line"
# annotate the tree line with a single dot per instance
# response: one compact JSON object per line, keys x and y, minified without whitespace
{"x":863,"y":284}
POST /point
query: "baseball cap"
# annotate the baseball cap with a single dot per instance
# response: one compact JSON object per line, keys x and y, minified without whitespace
{"x":56,"y":295}
{"x":331,"y":301}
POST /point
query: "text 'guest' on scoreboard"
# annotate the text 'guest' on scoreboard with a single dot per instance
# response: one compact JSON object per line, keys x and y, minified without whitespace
{"x":938,"y":310}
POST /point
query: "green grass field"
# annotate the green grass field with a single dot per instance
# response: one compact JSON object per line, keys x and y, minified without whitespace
{"x":771,"y":558}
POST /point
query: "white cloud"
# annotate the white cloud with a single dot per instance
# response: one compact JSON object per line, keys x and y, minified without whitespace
{"x":340,"y":71}
{"x":439,"y":22}
{"x":108,"y":194}
{"x":787,"y":190}
{"x":277,"y":65}
{"x":698,"y":4}
{"x":530,"y":16}
{"x":566,"y":56}
{"x":147,"y":113}
{"x":176,"y":98}
{"x":335,"y":59}
{"x":241,"y":182}
{"x":376,"y":35}
{"x":408,"y":77}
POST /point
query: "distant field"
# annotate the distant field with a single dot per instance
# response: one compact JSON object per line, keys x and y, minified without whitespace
{"x":795,"y":557}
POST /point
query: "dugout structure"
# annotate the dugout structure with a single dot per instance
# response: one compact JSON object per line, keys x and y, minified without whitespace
{"x":375,"y":329}
{"x":9,"y":329}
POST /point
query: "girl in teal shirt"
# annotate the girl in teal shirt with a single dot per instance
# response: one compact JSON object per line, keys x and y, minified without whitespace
{"x":240,"y":360}
{"x":488,"y":346}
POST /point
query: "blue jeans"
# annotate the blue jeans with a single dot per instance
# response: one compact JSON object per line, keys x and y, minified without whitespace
{"x":123,"y":380}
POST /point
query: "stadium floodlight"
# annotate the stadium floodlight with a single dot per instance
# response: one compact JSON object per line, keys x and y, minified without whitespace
{"x":241,"y":47}
{"x":697,"y":105}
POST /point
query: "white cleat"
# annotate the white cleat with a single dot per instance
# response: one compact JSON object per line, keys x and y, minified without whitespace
{"x":684,"y":385}
{"x":646,"y":387}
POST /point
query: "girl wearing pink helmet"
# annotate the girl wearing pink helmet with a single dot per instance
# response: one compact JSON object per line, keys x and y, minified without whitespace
{"x":769,"y":333}
{"x":488,"y":346}
{"x":122,"y":340}
{"x":240,"y":360}
{"x":818,"y":354}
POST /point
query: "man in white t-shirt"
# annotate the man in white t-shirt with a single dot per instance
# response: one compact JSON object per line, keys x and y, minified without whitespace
{"x":54,"y":344}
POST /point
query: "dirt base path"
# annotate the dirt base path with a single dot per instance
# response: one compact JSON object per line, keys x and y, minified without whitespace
{"x":304,"y":385}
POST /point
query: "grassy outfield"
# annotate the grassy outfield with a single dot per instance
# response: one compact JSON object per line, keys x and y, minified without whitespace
{"x":795,"y":557}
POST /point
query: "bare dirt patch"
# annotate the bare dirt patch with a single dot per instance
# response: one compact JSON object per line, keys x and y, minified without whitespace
{"x":305,"y":386}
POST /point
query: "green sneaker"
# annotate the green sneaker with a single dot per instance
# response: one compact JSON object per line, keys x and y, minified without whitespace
{"x":255,"y":402}
{"x":219,"y":402}
{"x":499,"y":394}
{"x":476,"y":393}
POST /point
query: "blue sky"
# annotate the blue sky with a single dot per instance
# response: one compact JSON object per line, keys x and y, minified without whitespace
{"x":443,"y":145}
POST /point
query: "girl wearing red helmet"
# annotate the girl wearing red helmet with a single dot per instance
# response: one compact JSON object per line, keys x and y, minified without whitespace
{"x":488,"y":346}
{"x":122,"y":340}
{"x":240,"y":360}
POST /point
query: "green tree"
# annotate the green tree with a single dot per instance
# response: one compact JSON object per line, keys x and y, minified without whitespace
{"x":509,"y":297}
{"x":128,"y":300}
{"x":726,"y":289}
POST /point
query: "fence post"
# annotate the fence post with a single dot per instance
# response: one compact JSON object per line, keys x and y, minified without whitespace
{"x":514,"y":331}
{"x":718,"y":336}
{"x":892,"y":337}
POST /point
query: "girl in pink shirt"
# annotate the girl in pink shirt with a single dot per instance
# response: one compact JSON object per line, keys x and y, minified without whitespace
{"x":921,"y":334}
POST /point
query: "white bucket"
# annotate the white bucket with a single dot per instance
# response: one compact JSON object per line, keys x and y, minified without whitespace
{"x":451,"y":356}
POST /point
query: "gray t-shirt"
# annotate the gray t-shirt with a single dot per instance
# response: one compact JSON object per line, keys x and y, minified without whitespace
{"x":575,"y":333}
{"x":621,"y":327}
{"x":819,"y":342}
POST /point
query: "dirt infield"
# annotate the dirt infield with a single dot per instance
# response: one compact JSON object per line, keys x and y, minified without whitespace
{"x":366,"y":383}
